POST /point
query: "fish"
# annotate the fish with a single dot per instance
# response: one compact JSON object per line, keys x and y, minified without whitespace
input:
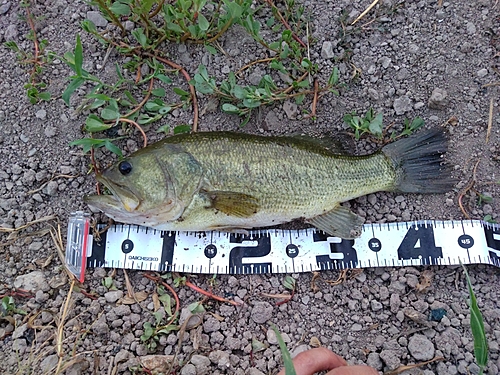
{"x":229,"y":181}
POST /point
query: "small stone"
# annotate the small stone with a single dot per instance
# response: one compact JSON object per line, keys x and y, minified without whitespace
{"x":49,"y":364}
{"x":35,"y":246}
{"x":52,"y":188}
{"x":482,"y":73}
{"x":201,"y":363}
{"x":194,"y":319}
{"x":19,"y":346}
{"x":471,"y":28}
{"x":157,"y":363}
{"x":221,"y":358}
{"x":11,"y":33}
{"x":97,"y":19}
{"x":356,"y":327}
{"x":211,"y":325}
{"x":129,"y":25}
{"x":271,"y":337}
{"x":4,"y":8}
{"x":113,"y":296}
{"x":438,"y":99}
{"x":421,"y":348}
{"x":402,"y":105}
{"x":375,"y":305}
{"x":32,"y":281}
{"x":271,"y":120}
{"x":20,"y":331}
{"x":41,"y":114}
{"x":122,"y":356}
{"x":261,"y":312}
{"x":50,"y":131}
{"x":189,"y":369}
{"x":391,"y":359}
{"x":374,"y":361}
{"x":37,"y":197}
{"x":327,"y":50}
{"x":291,"y":109}
{"x":78,"y":368}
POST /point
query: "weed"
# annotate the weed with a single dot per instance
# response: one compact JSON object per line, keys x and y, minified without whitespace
{"x":36,"y":59}
{"x":199,"y":22}
{"x":477,"y":328}
{"x":164,"y":321}
{"x":287,"y":359}
{"x":372,"y":123}
{"x":8,"y":307}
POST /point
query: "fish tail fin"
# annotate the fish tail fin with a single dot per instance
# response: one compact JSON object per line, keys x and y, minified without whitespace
{"x":419,"y":164}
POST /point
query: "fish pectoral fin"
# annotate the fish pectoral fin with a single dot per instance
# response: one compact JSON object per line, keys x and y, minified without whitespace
{"x":232,"y":203}
{"x":339,"y":222}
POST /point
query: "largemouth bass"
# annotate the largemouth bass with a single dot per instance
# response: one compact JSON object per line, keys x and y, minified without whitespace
{"x":231,"y":181}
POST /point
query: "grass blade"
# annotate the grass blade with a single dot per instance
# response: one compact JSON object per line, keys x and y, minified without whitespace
{"x":477,"y":328}
{"x":287,"y":359}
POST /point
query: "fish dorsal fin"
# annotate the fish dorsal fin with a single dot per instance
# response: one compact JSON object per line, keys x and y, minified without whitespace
{"x":339,"y":222}
{"x":232,"y":203}
{"x":340,"y":143}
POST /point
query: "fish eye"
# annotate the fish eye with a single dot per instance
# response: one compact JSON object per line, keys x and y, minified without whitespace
{"x":125,"y":167}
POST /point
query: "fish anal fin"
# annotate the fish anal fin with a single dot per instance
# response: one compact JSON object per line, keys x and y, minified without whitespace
{"x":233,"y":203}
{"x":339,"y":222}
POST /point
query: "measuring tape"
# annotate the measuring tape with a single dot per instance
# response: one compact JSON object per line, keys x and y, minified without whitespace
{"x":280,"y":251}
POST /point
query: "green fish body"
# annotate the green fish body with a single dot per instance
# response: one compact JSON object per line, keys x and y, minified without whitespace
{"x":231,"y":181}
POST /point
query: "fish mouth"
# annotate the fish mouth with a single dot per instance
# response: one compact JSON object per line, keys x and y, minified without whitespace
{"x":120,"y":195}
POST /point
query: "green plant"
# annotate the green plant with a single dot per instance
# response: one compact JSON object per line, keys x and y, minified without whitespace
{"x":36,"y":59}
{"x":287,"y":359}
{"x":8,"y":307}
{"x":371,"y":123}
{"x":164,"y":321}
{"x":477,"y":328}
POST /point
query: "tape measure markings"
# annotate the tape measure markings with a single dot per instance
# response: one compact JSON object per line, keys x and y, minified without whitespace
{"x":282,"y":251}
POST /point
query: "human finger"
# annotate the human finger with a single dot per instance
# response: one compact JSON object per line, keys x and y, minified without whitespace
{"x":315,"y":360}
{"x":353,"y":370}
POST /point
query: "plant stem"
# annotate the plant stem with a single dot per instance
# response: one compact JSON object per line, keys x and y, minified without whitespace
{"x":108,"y":11}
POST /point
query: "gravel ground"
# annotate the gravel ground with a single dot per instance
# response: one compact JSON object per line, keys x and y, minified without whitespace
{"x":405,"y":59}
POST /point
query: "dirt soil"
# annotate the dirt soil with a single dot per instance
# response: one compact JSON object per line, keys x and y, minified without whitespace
{"x":433,"y":59}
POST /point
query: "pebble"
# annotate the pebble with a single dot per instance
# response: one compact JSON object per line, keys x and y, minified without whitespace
{"x":291,"y":109}
{"x":391,"y":359}
{"x":188,"y":369}
{"x":4,"y":8}
{"x":327,"y":50}
{"x":32,"y":282}
{"x":438,"y":99}
{"x":41,"y":114}
{"x":261,"y":312}
{"x":52,"y":188}
{"x":97,"y":18}
{"x":421,"y":348}
{"x":50,"y":131}
{"x":49,"y":364}
{"x":113,"y":296}
{"x":211,"y":325}
{"x":482,"y":73}
{"x":11,"y":33}
{"x":271,"y":120}
{"x":402,"y":105}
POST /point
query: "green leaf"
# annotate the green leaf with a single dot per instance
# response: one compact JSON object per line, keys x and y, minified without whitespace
{"x":477,"y":327}
{"x":73,"y":85}
{"x":164,"y":110}
{"x":239,"y":92}
{"x":113,"y":148}
{"x":78,"y":56}
{"x":234,"y":9}
{"x":160,"y":91}
{"x":289,"y":282}
{"x":182,"y":129}
{"x":95,"y":124}
{"x":163,"y":129}
{"x":12,"y":45}
{"x":229,"y":108}
{"x":181,"y":92}
{"x":287,"y":359}
{"x":163,"y":78}
{"x":416,"y":124}
{"x":196,"y":308}
{"x":334,"y":77}
{"x":45,"y":96}
{"x":145,"y":119}
{"x":120,"y":9}
{"x":376,"y":127}
{"x":202,"y":70}
{"x":203,"y":22}
{"x":211,"y":49}
{"x":89,"y":26}
{"x":109,"y":113}
{"x":140,"y":36}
